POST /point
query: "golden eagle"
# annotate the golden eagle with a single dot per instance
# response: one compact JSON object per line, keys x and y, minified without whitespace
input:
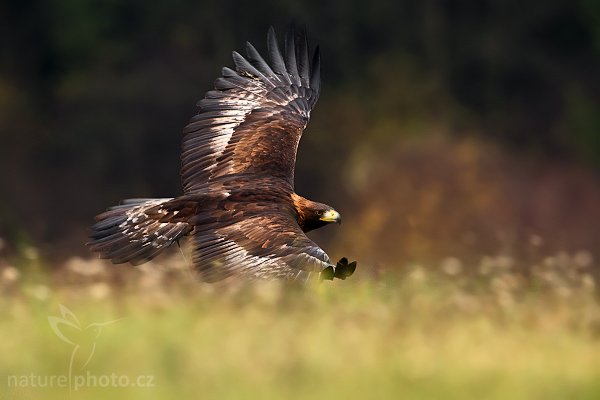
{"x":238,"y":156}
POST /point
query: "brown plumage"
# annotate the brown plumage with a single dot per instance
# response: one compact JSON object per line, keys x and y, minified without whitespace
{"x":238,"y":155}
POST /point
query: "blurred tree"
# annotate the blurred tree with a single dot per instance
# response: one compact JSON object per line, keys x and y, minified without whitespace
{"x":94,"y":93}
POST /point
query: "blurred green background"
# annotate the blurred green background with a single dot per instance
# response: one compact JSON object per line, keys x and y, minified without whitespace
{"x":452,"y":128}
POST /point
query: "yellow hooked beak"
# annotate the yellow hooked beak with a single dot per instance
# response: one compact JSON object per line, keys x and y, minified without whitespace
{"x":331,"y":216}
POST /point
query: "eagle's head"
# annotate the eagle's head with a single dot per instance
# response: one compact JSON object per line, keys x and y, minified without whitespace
{"x":318,"y":215}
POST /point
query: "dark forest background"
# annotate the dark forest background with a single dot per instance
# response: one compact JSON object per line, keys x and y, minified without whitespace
{"x":445,"y":128}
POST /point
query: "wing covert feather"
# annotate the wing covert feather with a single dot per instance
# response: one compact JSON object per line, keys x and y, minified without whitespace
{"x":265,"y":246}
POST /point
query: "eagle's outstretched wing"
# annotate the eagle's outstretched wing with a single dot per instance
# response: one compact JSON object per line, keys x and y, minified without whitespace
{"x":253,"y":120}
{"x":265,"y":245}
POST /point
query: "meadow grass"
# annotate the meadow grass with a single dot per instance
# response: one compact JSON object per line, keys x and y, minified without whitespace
{"x":495,"y":333}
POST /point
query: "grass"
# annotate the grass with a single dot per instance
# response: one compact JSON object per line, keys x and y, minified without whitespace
{"x":485,"y":332}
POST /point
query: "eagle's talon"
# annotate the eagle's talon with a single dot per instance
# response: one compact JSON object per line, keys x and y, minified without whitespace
{"x":351,"y":267}
{"x":343,"y":270}
{"x":328,"y":273}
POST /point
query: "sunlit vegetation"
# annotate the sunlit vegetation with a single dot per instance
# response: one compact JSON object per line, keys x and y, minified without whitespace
{"x":487,"y":330}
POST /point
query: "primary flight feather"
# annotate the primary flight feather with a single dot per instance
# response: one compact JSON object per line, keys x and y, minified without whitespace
{"x":238,"y":156}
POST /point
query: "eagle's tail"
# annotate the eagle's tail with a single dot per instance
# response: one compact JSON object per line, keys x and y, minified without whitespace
{"x":135,"y":231}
